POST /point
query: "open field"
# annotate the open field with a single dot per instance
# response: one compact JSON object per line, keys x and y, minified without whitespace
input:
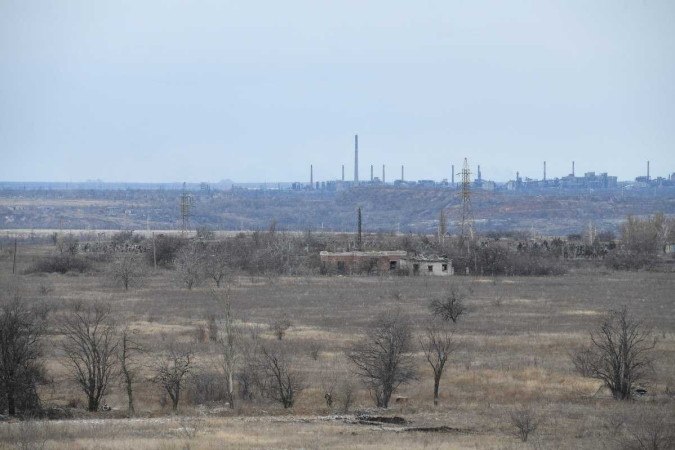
{"x":514,"y":345}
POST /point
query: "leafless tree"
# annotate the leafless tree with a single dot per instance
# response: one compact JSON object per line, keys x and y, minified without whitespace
{"x":20,"y":332}
{"x":437,"y":344}
{"x":172,"y":372}
{"x":382,"y":358}
{"x":451,"y":307}
{"x":217,"y":264}
{"x":126,"y":270}
{"x":90,"y":349}
{"x":129,"y":348}
{"x":525,"y":422}
{"x":650,"y":428}
{"x":280,"y":325}
{"x":189,"y":265}
{"x":229,"y":342}
{"x":249,"y":377}
{"x":620,"y":354}
{"x":283,"y":382}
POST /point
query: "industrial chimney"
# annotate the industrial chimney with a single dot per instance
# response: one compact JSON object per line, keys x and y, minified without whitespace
{"x":384,"y":180}
{"x":544,"y":170}
{"x":648,"y":171}
{"x":453,"y":175}
{"x":371,"y":173}
{"x":356,"y":159}
{"x":311,"y":176}
{"x":343,"y":172}
{"x":402,"y":173}
{"x":572,"y":168}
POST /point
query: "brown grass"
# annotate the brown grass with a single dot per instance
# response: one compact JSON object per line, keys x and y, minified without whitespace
{"x":515,"y":341}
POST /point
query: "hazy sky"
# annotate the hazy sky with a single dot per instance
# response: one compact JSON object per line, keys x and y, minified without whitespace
{"x":257,"y":90}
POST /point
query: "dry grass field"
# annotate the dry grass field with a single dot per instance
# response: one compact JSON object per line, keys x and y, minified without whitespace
{"x":514,"y":345}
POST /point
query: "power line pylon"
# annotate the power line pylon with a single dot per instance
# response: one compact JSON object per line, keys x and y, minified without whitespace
{"x":467,"y":215}
{"x":186,"y":203}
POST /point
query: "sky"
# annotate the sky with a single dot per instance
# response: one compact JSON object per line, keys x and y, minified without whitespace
{"x":252,"y":91}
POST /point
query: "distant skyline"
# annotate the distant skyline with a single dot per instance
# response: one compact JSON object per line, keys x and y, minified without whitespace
{"x":170,"y":91}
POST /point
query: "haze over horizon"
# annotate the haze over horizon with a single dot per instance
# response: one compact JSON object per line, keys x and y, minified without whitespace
{"x":161,"y":91}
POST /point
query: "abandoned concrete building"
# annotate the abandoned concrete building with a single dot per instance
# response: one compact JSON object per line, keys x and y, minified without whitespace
{"x":420,"y":265}
{"x":382,"y":262}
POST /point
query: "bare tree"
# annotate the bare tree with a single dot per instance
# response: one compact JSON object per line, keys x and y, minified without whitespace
{"x":525,"y":422}
{"x":620,"y":354}
{"x":90,"y":348}
{"x":217,"y":264}
{"x":249,"y":377}
{"x":128,"y":350}
{"x":382,"y":358}
{"x":437,"y":344}
{"x":126,"y":270}
{"x":172,"y":372}
{"x":451,"y":307}
{"x":229,"y":343}
{"x":189,"y":265}
{"x":280,"y":325}
{"x":650,"y":428}
{"x":20,"y":332}
{"x":282,"y":381}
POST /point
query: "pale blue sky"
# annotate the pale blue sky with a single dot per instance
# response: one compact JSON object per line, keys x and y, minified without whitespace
{"x":257,"y":90}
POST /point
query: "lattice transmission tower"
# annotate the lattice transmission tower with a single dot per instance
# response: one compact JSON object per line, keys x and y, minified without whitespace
{"x":186,"y":203}
{"x":466,"y":230}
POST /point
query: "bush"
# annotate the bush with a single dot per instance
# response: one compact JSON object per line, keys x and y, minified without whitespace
{"x":207,"y":387}
{"x":166,"y":249}
{"x":622,"y":260}
{"x":62,"y":263}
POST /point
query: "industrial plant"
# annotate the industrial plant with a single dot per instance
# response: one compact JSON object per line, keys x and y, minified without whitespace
{"x":572,"y":181}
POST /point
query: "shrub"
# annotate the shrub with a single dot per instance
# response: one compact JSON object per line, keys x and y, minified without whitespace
{"x":207,"y":387}
{"x":166,"y":249}
{"x":61,"y":263}
{"x":525,"y":422}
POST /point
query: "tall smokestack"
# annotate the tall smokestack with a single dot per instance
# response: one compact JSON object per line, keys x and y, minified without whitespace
{"x":371,"y":173}
{"x":384,"y":179}
{"x":343,"y":172}
{"x":480,"y":177}
{"x":647,"y":170}
{"x":572,"y":168}
{"x":544,"y":170}
{"x":453,"y":175}
{"x":402,"y":173}
{"x":356,"y":158}
{"x":311,"y":176}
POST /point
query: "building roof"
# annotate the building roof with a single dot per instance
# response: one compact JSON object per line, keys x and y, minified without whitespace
{"x":431,"y":258}
{"x":373,"y":254}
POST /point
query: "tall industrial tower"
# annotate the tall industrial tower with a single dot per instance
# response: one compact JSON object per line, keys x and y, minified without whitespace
{"x":186,"y":203}
{"x":356,"y":159}
{"x":467,"y":216}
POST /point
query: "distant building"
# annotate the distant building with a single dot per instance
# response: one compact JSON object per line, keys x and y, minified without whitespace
{"x":381,"y":262}
{"x":438,"y":266}
{"x":358,"y":262}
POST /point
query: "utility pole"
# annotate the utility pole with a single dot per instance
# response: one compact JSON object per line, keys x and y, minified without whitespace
{"x":154,"y":250}
{"x":467,"y":215}
{"x":14,"y":259}
{"x":359,"y":242}
{"x":186,"y":202}
{"x":442,"y":227}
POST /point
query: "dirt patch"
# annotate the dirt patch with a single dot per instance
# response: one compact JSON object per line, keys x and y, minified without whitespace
{"x":376,"y":420}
